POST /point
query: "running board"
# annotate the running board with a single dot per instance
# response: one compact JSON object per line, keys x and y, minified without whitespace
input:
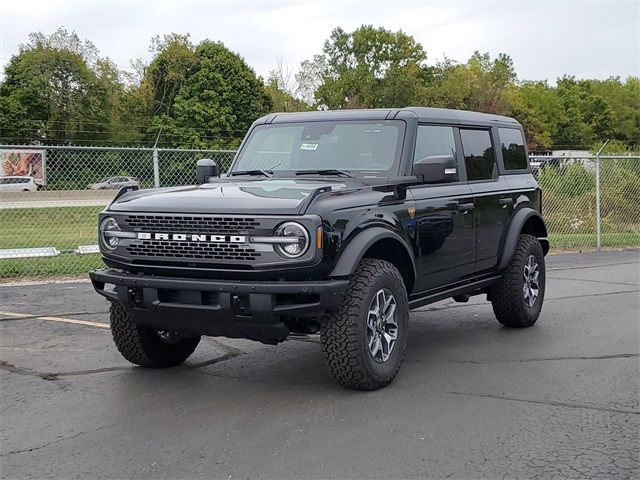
{"x":420,"y":300}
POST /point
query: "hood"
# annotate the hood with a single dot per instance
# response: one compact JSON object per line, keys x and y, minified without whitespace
{"x":274,"y":196}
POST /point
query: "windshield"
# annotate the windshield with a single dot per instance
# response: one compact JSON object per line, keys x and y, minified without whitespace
{"x":360,"y":147}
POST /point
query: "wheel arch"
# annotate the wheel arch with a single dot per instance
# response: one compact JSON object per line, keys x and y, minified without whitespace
{"x":525,"y":221}
{"x":382,"y":244}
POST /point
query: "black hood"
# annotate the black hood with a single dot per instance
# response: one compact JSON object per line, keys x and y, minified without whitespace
{"x":284,"y":196}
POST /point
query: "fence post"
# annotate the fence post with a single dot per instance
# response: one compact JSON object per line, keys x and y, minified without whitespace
{"x":156,"y":168}
{"x":598,"y":240}
{"x":598,"y":225}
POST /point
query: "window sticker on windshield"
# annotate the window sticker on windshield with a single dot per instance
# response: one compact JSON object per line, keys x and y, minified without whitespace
{"x":308,"y":146}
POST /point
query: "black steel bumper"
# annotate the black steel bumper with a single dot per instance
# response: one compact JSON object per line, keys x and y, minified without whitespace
{"x":233,"y":309}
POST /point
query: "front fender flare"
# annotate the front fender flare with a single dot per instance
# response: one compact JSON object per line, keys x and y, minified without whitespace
{"x":515,"y":228}
{"x":358,"y":246}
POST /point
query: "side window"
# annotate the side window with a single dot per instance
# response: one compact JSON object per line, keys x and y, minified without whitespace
{"x":479,"y":157}
{"x":434,"y":140}
{"x":513,"y":152}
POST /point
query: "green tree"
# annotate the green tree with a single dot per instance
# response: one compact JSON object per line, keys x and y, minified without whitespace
{"x":482,"y":84}
{"x":368,"y":68}
{"x":588,"y":118}
{"x":281,"y":88}
{"x":174,"y":58}
{"x":218,"y":101}
{"x":58,"y":89}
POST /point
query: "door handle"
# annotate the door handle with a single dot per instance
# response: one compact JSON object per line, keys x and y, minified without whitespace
{"x":505,"y":202}
{"x":465,"y":207}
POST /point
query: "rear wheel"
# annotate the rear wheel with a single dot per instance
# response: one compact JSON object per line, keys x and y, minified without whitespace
{"x":147,"y":347}
{"x":517,"y":299}
{"x":364,"y":341}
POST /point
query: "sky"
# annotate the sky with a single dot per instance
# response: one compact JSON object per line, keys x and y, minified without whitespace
{"x":545,"y":39}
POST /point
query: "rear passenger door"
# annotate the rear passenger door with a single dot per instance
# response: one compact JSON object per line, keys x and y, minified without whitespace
{"x":492,"y":198}
{"x":443,"y":223}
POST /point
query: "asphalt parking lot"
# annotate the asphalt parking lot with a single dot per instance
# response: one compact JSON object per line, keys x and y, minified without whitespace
{"x":473,"y":400}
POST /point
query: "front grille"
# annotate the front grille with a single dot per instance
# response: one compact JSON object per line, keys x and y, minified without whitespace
{"x":191,"y":250}
{"x":191,"y":224}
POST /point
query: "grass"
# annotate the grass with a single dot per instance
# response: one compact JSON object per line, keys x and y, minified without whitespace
{"x":64,"y":228}
{"x":60,"y":227}
{"x":587,"y":241}
{"x":67,"y":227}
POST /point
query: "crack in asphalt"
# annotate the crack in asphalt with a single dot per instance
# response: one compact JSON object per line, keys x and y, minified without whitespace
{"x":52,"y":376}
{"x":593,"y":281}
{"x":591,"y":266}
{"x":58,"y":440}
{"x":549,"y":359}
{"x":552,"y":403}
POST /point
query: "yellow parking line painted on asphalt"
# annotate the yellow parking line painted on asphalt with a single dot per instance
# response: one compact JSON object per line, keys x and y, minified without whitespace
{"x":15,"y":315}
{"x":73,"y":321}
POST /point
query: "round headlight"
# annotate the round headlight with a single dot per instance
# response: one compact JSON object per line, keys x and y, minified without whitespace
{"x":298,"y":240}
{"x":107,"y":227}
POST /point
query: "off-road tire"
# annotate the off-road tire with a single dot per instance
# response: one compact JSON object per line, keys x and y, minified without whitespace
{"x":344,"y":339}
{"x":509,"y":305}
{"x":143,"y":346}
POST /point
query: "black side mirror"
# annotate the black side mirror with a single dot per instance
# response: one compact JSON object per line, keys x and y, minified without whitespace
{"x":205,"y":169}
{"x":437,"y":169}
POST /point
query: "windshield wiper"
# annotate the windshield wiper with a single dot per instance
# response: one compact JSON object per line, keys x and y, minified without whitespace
{"x":266,"y":173}
{"x":326,"y":171}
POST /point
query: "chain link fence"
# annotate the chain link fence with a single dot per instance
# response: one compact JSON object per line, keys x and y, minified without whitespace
{"x":588,"y":202}
{"x":50,"y":198}
{"x":50,"y":230}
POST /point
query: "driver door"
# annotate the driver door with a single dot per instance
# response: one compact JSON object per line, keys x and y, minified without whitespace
{"x":444,"y":217}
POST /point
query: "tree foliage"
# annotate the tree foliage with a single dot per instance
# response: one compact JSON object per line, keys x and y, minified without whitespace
{"x":59,"y":89}
{"x":368,"y":68}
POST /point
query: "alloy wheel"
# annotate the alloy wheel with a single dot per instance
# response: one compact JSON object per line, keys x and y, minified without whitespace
{"x":382,"y":326}
{"x":531,"y":287}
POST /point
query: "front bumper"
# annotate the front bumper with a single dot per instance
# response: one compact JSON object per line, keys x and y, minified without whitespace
{"x":235,"y":309}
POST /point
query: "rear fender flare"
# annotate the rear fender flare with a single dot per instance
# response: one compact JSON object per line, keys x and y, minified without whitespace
{"x":513,"y":234}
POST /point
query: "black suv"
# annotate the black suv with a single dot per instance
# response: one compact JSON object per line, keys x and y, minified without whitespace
{"x":337,"y":223}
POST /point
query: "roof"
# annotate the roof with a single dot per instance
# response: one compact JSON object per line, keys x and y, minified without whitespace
{"x":424,"y":114}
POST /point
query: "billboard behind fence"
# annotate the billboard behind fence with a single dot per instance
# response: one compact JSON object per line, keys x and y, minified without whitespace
{"x":24,"y":163}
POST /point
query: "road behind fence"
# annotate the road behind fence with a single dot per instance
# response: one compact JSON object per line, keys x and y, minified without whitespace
{"x":588,"y":201}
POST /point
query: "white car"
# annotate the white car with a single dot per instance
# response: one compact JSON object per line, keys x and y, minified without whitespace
{"x":18,"y":184}
{"x":114,"y":182}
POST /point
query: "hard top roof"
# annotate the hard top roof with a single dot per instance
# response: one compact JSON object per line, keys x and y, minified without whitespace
{"x":423,"y":114}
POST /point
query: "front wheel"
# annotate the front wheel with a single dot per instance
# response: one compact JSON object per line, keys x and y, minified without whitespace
{"x":147,"y":347}
{"x":517,"y":298}
{"x":364,"y":340}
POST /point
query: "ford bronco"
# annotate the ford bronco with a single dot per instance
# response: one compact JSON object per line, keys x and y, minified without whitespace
{"x":335,"y":223}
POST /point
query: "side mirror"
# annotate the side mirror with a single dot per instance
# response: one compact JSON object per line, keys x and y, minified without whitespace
{"x":437,"y":169}
{"x":205,"y":169}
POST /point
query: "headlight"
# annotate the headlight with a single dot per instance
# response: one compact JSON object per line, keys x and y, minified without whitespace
{"x":292,"y":231}
{"x":108,"y":235}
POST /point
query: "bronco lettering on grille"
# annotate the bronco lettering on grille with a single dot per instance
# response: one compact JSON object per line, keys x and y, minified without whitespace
{"x":184,"y":237}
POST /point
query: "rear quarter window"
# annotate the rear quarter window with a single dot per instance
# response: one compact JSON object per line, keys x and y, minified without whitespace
{"x":513,"y":151}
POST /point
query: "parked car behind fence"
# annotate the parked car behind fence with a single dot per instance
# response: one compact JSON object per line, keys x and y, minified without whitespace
{"x":114,"y":183}
{"x":18,"y":184}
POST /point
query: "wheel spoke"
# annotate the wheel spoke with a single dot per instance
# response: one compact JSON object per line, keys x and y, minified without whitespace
{"x":377,"y":346}
{"x":390,"y":316}
{"x":392,"y":334}
{"x":382,"y":326}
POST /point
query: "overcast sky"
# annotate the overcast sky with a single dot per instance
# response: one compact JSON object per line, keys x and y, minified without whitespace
{"x":546,"y":39}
